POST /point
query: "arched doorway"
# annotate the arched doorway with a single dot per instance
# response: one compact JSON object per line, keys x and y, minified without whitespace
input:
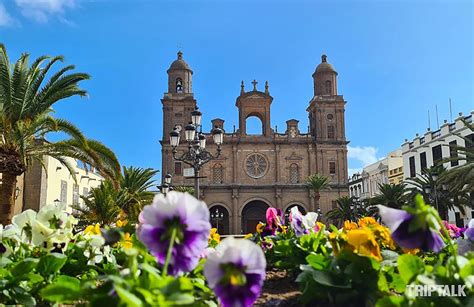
{"x":288,"y":209}
{"x":252,"y":214}
{"x":219,"y":217}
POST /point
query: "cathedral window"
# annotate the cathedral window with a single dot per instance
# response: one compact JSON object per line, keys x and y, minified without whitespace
{"x":294,"y":173}
{"x":328,"y":87}
{"x":177,"y":168}
{"x":331,"y":132}
{"x":332,"y":168}
{"x":179,"y":85}
{"x":218,"y":173}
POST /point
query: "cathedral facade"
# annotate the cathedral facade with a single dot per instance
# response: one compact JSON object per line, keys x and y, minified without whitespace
{"x":257,"y":171}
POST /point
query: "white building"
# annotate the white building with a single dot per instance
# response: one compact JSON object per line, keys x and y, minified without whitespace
{"x":384,"y":171}
{"x":41,"y":186}
{"x":424,"y":151}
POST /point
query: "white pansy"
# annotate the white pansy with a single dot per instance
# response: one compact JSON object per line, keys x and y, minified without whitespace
{"x":309,"y":220}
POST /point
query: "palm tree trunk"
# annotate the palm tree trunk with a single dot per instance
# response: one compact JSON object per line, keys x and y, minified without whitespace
{"x":7,"y":197}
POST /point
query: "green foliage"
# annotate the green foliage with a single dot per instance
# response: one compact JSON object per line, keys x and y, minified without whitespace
{"x":390,"y":195}
{"x":105,"y":203}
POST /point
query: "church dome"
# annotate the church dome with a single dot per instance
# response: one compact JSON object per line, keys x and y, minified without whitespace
{"x":179,"y":64}
{"x":325,"y":66}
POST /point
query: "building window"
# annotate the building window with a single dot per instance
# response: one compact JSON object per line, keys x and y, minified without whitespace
{"x":437,"y":154}
{"x":453,"y":153}
{"x":75,"y":194}
{"x":328,"y":87}
{"x":218,"y":173}
{"x":331,"y":133}
{"x":412,"y":167}
{"x":332,"y":168}
{"x":85,"y":192}
{"x":333,"y":204}
{"x":423,"y":161}
{"x":294,"y":173}
{"x":177,"y":168}
{"x":470,"y":144}
{"x":63,"y":195}
{"x":179,"y":85}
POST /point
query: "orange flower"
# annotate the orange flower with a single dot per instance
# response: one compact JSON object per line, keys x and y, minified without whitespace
{"x":348,"y":225}
{"x":362,"y":242}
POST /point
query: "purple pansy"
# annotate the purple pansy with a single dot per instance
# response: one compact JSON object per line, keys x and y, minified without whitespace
{"x":296,"y":222}
{"x":184,"y":214}
{"x":454,"y":231}
{"x":407,"y":236}
{"x":235,"y":271}
{"x":302,"y":224}
{"x":469,"y":232}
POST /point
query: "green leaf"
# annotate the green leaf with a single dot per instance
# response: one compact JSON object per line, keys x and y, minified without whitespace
{"x":127,"y":297}
{"x":24,"y":267}
{"x":51,"y":264}
{"x":409,"y":266}
{"x":317,"y":261}
{"x":63,"y":289}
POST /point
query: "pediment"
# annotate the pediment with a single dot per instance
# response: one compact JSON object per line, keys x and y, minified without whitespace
{"x":294,"y":156}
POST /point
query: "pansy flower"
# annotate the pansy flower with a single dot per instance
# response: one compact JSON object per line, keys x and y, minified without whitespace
{"x":416,"y":227}
{"x":303,"y":224}
{"x":236,"y":271}
{"x":179,"y":221}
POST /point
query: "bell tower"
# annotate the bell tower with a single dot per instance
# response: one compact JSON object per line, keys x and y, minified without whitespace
{"x":254,"y":103}
{"x":327,"y":124}
{"x":326,"y":108}
{"x":179,"y":101}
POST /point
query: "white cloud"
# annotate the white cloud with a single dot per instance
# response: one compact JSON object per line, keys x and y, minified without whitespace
{"x":365,"y":154}
{"x":42,"y":10}
{"x":5,"y":18}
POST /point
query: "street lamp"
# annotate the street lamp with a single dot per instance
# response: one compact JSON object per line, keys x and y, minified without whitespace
{"x":168,"y":178}
{"x":196,"y":155}
{"x":56,"y":202}
{"x":165,"y":188}
{"x":320,"y":213}
{"x":217,"y":217}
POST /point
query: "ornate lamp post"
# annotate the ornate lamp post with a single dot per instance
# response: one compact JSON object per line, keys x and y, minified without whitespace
{"x":166,"y":186}
{"x":217,"y":217}
{"x":196,"y":155}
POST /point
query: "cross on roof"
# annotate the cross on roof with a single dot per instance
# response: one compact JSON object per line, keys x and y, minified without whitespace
{"x":254,"y":82}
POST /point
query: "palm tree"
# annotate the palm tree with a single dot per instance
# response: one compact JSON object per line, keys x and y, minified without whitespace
{"x":317,"y":183}
{"x":130,"y":197}
{"x":26,"y":100}
{"x":184,"y":189}
{"x":136,"y":183}
{"x":462,"y":176}
{"x":346,"y":210}
{"x":436,"y":191}
{"x":390,"y":195}
{"x":101,"y":205}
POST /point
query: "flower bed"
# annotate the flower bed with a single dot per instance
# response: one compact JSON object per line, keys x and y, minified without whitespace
{"x":173,"y":257}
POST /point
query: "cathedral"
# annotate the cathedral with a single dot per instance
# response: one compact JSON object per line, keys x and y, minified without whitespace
{"x":254,"y":172}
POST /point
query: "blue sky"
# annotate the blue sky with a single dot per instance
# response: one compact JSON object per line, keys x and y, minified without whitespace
{"x":396,"y":60}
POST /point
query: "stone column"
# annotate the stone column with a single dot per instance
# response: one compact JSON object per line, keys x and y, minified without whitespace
{"x":234,"y":163}
{"x":277,"y":163}
{"x":236,"y":217}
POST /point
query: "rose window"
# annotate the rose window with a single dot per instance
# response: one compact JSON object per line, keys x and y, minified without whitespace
{"x":256,"y":165}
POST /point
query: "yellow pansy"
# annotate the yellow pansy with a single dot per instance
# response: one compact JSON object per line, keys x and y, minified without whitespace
{"x":121,"y":223}
{"x":214,"y":236}
{"x":348,"y":225}
{"x":259,"y":227}
{"x":248,"y":236}
{"x":366,"y":221}
{"x":92,"y":230}
{"x":409,"y":251}
{"x":126,"y":242}
{"x":362,"y":242}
